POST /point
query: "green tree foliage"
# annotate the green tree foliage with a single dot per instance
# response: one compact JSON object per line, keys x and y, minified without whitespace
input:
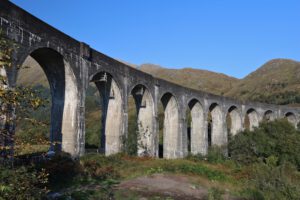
{"x":16,"y":182}
{"x":277,"y":138}
{"x":61,"y":168}
{"x":276,"y":182}
{"x":22,"y":183}
{"x":280,"y":98}
{"x":25,"y":100}
{"x":35,"y":128}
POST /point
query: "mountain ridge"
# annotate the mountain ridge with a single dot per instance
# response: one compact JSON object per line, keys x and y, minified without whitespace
{"x":277,"y":81}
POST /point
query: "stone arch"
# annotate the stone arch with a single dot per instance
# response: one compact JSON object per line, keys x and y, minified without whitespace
{"x":234,"y":120}
{"x":218,"y":130}
{"x":251,"y":119}
{"x":269,"y":116}
{"x":64,"y":126}
{"x":112,"y":122}
{"x":171,"y":126}
{"x":291,"y":117}
{"x":198,"y":137}
{"x":145,"y":120}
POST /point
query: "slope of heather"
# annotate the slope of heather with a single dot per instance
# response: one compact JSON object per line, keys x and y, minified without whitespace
{"x":207,"y":81}
{"x":277,"y":81}
{"x":32,"y":74}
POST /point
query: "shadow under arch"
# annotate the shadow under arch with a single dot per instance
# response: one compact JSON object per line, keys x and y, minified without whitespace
{"x":291,"y":117}
{"x":64,"y":99}
{"x":196,"y":134}
{"x":269,"y":116}
{"x":170,"y":126}
{"x":145,"y":120}
{"x":112,"y":122}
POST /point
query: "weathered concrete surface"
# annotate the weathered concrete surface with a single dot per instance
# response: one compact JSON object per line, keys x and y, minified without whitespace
{"x":171,"y":136}
{"x":236,"y":120}
{"x":70,"y":65}
{"x":145,"y":120}
{"x":198,"y":129}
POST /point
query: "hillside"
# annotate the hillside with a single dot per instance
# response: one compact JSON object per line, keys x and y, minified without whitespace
{"x":193,"y":78}
{"x":214,"y":176}
{"x":31,"y":74}
{"x":204,"y":80}
{"x":277,"y":81}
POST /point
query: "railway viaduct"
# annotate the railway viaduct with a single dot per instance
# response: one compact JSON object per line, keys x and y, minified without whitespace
{"x":70,"y":65}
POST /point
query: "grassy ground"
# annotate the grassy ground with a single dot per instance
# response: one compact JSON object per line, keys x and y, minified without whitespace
{"x":103,"y":174}
{"x":266,"y":166}
{"x":28,"y":149}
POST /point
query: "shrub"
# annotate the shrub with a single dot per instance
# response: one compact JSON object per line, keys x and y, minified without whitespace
{"x":100,"y":167}
{"x":276,"y":182}
{"x":22,"y":183}
{"x":62,"y":168}
{"x":216,"y":154}
{"x":277,"y":138}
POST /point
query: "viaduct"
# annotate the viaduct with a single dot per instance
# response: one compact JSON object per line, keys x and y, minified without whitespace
{"x":71,"y":65}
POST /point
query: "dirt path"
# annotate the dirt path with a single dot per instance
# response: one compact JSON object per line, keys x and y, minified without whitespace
{"x":162,"y":185}
{"x":153,"y":187}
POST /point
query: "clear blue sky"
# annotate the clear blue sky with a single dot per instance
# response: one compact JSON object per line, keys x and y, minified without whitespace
{"x":234,"y":37}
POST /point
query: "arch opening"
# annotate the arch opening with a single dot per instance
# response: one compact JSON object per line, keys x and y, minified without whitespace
{"x":197,"y":140}
{"x":291,"y":117}
{"x":216,"y":128}
{"x":269,"y":116}
{"x":209,"y":129}
{"x":234,"y":121}
{"x":111,"y":129}
{"x":170,"y":133}
{"x":160,"y":138}
{"x":93,"y":120}
{"x":251,"y":119}
{"x":141,"y":122}
{"x":38,"y":138}
{"x":51,"y":73}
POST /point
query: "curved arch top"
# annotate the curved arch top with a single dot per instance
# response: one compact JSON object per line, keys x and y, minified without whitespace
{"x":236,"y":123}
{"x":218,"y":127}
{"x":171,"y":129}
{"x":253,"y":118}
{"x":145,"y":120}
{"x":269,"y":115}
{"x":198,"y":139}
{"x":291,"y":117}
{"x":166,"y":97}
{"x":112,"y":112}
{"x":64,"y":129}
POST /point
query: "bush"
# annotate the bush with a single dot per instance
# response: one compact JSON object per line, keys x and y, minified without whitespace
{"x":62,"y":168}
{"x":22,"y":183}
{"x":277,"y":138}
{"x":276,"y":182}
{"x":100,"y":167}
{"x":216,"y":154}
